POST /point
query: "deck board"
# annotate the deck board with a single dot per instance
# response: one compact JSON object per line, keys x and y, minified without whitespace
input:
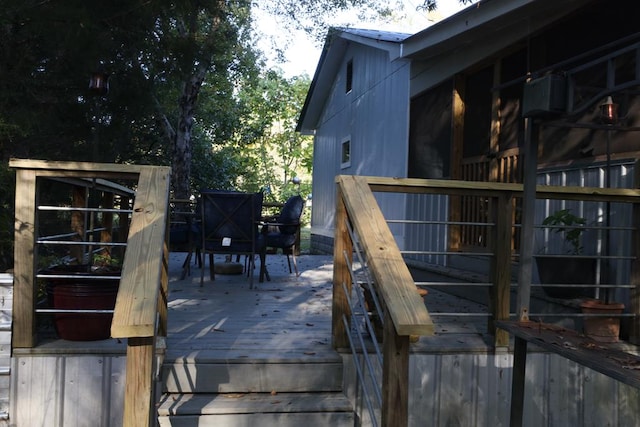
{"x":288,"y":318}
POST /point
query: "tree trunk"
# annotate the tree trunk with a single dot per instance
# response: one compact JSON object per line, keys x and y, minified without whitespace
{"x":182,"y":149}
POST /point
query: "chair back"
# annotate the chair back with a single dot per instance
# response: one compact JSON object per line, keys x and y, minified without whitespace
{"x":290,"y":214}
{"x":230,"y":221}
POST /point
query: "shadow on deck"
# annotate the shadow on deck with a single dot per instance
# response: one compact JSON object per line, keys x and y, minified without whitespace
{"x":287,"y":317}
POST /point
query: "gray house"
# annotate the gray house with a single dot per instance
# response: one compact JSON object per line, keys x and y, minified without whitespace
{"x":358,"y":110}
{"x":447,"y":102}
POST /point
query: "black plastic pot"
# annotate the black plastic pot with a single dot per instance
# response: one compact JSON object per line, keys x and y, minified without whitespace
{"x":570,"y":271}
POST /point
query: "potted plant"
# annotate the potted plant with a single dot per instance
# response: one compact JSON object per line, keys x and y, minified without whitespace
{"x":574,"y":269}
{"x":569,"y":267}
{"x":603,"y":328}
{"x":83,"y":287}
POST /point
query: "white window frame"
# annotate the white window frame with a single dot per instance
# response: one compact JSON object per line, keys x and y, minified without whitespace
{"x":345,"y":163}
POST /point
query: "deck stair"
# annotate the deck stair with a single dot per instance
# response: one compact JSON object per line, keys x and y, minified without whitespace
{"x":255,"y":390}
{"x":257,"y":357}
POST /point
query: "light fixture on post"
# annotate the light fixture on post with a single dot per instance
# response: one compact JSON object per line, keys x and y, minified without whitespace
{"x":99,"y":82}
{"x":98,"y":86}
{"x":609,"y":116}
{"x":609,"y":111}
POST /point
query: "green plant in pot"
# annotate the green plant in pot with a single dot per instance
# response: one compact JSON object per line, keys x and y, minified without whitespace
{"x":574,"y":269}
{"x":561,"y":222}
{"x":570,"y":267}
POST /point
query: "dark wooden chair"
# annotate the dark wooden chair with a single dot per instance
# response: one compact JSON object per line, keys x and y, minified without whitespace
{"x":282,"y":233}
{"x":184,"y":232}
{"x":229,"y":225}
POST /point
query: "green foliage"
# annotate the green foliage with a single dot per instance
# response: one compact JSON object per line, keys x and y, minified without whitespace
{"x":431,"y":5}
{"x":316,"y":16}
{"x":277,"y":150}
{"x":562,"y":222}
{"x":7,"y":197}
{"x":176,"y":68}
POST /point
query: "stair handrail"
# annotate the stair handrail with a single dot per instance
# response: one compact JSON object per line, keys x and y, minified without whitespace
{"x":405,"y":312}
{"x":140,"y":313}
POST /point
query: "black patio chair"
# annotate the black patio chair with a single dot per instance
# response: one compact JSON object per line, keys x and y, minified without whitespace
{"x":283,"y":233}
{"x":229,"y":225}
{"x":184,"y":232}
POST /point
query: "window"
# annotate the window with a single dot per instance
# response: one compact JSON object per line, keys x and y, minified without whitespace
{"x":345,"y":160}
{"x":349,"y":84}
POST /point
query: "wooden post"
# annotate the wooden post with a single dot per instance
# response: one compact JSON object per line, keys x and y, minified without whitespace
{"x":494,"y":173}
{"x":499,"y":299}
{"x":163,"y":295}
{"x":634,"y":279}
{"x":24,"y":260}
{"x":457,"y":144}
{"x":106,"y":234}
{"x":528,"y":212}
{"x":517,"y":381}
{"x":139,"y":409}
{"x":341,"y":244}
{"x":395,"y":376}
{"x":78,"y":199}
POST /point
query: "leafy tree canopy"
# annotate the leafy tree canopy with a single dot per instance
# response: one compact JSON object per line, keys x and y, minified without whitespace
{"x":187,"y":88}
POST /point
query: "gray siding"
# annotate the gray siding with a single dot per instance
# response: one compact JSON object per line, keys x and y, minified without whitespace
{"x":6,"y":315}
{"x":67,"y":391}
{"x":375,"y":117}
{"x":473,"y":390}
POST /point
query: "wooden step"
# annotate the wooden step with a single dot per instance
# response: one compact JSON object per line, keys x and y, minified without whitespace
{"x":255,"y":409}
{"x":308,"y":373}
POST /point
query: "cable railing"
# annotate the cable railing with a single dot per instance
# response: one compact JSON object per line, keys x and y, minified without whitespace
{"x":368,"y":260}
{"x":140,"y":313}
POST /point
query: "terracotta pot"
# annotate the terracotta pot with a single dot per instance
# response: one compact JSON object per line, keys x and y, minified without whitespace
{"x":602,"y":329}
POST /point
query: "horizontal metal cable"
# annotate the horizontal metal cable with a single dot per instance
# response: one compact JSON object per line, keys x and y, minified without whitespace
{"x":515,"y":285}
{"x":78,"y":209}
{"x":359,"y":373}
{"x":365,"y":355}
{"x":362,"y":307}
{"x":76,"y":243}
{"x":576,"y":315}
{"x":421,"y":222}
{"x":87,"y":276}
{"x":404,"y":252}
{"x":79,"y":310}
{"x":470,"y":284}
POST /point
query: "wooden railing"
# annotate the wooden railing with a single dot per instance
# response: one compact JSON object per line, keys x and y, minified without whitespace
{"x":141,"y":306}
{"x":140,"y":314}
{"x":502,"y":167}
{"x":405,"y":314}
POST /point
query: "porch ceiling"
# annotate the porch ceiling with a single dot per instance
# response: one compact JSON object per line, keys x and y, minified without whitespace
{"x":475,"y":34}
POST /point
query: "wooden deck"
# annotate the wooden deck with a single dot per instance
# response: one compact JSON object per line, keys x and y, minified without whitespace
{"x":260,"y":356}
{"x":288,"y":317}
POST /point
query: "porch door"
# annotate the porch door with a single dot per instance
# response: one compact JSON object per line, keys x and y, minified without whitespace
{"x":486,"y":131}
